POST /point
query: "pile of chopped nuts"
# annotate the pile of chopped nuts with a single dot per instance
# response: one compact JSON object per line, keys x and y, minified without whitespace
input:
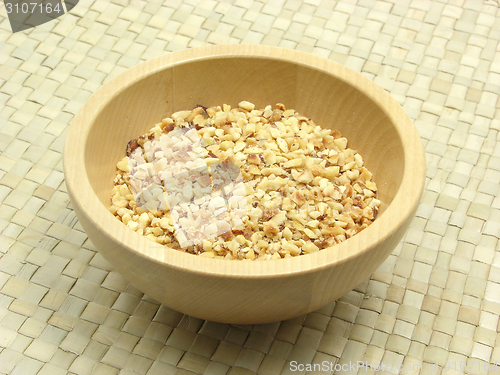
{"x":299,"y":188}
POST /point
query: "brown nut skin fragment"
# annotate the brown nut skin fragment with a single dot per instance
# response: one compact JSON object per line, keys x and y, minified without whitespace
{"x":131,"y":146}
{"x":198,"y":110}
{"x":336,"y":134}
{"x":168,"y":128}
{"x":318,"y":144}
{"x":228,"y":236}
{"x":276,"y":116}
{"x":246,"y":232}
{"x":253,"y":159}
{"x":348,"y":191}
{"x":326,"y":242}
{"x":271,"y":228}
{"x":269,"y":213}
{"x":298,"y":198}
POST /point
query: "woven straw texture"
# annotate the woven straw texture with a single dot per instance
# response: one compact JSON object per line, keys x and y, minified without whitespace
{"x":432,"y":308}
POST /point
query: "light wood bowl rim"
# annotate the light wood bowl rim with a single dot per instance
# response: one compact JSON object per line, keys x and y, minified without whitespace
{"x":400,"y":210}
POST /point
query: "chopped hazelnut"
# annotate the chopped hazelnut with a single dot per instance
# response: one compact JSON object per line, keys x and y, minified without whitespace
{"x":301,"y":188}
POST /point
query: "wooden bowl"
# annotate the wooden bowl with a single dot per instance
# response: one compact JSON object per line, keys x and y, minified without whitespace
{"x":243,"y":292}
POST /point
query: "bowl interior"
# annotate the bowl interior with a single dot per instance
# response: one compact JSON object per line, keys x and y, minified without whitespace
{"x":331,"y":100}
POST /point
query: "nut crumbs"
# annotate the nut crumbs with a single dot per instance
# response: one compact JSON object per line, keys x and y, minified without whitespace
{"x":299,"y":188}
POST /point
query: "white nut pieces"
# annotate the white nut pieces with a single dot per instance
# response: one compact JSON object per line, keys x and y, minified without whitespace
{"x":169,"y":173}
{"x":241,"y":183}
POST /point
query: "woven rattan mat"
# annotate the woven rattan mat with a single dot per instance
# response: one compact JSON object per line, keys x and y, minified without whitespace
{"x":432,"y":308}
